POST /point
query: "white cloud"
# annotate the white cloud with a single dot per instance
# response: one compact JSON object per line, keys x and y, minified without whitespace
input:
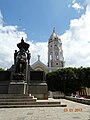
{"x":76,"y":41}
{"x":73,"y":1}
{"x":39,"y":48}
{"x":9,"y":37}
{"x":77,"y":6}
{"x":1,"y":18}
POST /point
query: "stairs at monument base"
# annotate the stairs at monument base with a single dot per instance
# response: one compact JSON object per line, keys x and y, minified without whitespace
{"x":15,"y":96}
{"x":34,"y":105}
{"x":17,"y":101}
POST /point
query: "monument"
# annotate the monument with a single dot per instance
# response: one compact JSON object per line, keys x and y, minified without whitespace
{"x":20,"y":84}
{"x":25,"y":80}
{"x":19,"y":80}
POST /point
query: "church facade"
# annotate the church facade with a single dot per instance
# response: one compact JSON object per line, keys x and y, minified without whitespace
{"x":55,"y":55}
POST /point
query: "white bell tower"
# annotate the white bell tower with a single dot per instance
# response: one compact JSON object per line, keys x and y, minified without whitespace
{"x":55,"y":52}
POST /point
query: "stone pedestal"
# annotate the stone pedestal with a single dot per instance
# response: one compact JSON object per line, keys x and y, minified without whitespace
{"x":17,"y":87}
{"x":39,"y":90}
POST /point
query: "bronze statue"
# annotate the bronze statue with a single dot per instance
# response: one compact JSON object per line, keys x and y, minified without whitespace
{"x":21,"y":59}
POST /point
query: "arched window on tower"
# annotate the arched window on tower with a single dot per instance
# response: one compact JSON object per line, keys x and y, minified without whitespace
{"x":56,"y":56}
{"x":50,"y":57}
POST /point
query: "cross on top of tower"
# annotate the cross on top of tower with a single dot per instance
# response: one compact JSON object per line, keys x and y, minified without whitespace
{"x":38,"y":57}
{"x":53,"y":29}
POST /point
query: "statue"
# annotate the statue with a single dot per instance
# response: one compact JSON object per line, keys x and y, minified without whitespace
{"x":21,"y":58}
{"x":20,"y":62}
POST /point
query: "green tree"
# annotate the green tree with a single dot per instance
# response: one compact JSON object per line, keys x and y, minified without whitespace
{"x":69,"y":80}
{"x":1,"y":69}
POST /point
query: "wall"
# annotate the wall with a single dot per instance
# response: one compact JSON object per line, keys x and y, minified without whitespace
{"x":5,"y":77}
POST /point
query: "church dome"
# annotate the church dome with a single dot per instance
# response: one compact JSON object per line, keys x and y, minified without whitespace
{"x":53,"y":36}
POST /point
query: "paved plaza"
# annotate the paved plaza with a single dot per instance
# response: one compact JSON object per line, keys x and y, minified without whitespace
{"x":73,"y":111}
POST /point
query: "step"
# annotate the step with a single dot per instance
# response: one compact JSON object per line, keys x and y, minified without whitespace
{"x":18,"y":96}
{"x":18,"y":103}
{"x":25,"y":101}
{"x":17,"y":100}
{"x":34,"y":105}
{"x":33,"y":101}
{"x":49,"y":102}
{"x":11,"y":101}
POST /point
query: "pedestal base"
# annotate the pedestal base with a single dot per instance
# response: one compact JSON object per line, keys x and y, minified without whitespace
{"x":39,"y":90}
{"x":17,"y":88}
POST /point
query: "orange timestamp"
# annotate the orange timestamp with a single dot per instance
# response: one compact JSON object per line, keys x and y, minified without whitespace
{"x":72,"y":109}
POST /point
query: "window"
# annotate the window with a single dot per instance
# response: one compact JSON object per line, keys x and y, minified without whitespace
{"x":56,"y":63}
{"x":57,"y":57}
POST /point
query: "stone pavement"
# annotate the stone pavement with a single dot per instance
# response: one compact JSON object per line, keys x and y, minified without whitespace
{"x":73,"y":111}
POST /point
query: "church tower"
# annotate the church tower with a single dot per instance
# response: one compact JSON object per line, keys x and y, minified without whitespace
{"x":55,"y":52}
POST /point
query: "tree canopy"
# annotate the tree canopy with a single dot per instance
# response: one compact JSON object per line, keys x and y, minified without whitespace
{"x":68,"y":80}
{"x":1,"y":69}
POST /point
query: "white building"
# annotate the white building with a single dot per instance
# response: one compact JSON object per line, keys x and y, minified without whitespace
{"x":55,"y":55}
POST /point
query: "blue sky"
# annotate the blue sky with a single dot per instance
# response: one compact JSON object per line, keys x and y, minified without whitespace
{"x":34,"y":20}
{"x":38,"y":17}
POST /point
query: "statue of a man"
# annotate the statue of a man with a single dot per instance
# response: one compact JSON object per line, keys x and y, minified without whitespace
{"x":21,"y":57}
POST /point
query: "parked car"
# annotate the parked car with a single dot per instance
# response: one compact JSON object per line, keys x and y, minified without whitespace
{"x":79,"y":97}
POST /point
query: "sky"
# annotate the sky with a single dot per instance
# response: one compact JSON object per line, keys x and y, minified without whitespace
{"x":34,"y":21}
